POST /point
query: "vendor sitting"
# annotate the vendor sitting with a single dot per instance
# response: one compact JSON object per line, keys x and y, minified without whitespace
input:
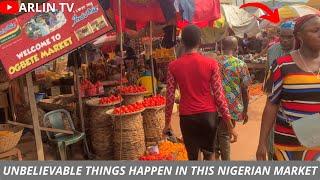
{"x":146,"y":79}
{"x":132,"y":72}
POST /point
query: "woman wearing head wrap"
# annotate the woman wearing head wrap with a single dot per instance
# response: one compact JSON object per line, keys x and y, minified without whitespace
{"x":295,"y":94}
{"x":282,"y":48}
{"x":286,"y":44}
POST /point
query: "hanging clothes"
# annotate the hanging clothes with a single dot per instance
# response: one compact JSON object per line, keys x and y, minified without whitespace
{"x":73,"y":57}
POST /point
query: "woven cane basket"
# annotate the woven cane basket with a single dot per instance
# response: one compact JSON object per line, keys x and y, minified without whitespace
{"x":153,"y":123}
{"x":129,"y":140}
{"x":132,"y":98}
{"x":11,"y":140}
{"x":100,"y":130}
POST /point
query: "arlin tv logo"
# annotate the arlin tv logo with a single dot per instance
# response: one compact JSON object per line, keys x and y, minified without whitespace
{"x":9,"y":7}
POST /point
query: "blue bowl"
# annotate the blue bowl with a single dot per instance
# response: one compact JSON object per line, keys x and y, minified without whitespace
{"x":40,"y":96}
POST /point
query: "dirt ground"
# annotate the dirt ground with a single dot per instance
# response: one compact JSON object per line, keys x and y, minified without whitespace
{"x":244,"y":149}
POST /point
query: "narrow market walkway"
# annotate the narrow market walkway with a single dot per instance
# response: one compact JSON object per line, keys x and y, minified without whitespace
{"x":244,"y":149}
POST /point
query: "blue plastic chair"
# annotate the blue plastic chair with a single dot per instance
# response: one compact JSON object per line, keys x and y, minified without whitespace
{"x":55,"y":119}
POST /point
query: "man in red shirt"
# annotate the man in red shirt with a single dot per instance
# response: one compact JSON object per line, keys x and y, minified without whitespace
{"x":202,"y":97}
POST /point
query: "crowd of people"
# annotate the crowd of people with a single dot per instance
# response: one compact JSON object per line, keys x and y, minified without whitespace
{"x":214,"y":92}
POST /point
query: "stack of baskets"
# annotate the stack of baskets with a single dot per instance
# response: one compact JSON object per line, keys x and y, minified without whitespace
{"x":130,"y":98}
{"x":9,"y":140}
{"x":129,"y":138}
{"x":153,"y":122}
{"x":100,"y":129}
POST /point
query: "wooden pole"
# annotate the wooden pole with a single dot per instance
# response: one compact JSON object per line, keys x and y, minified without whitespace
{"x":12,"y":108}
{"x":77,"y":85}
{"x":86,"y":73}
{"x":121,"y":67}
{"x":35,"y":119}
{"x":41,"y":128}
{"x":151,"y":59}
{"x":121,"y":39}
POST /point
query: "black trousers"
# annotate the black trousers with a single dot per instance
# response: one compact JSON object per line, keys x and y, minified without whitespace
{"x":199,"y":133}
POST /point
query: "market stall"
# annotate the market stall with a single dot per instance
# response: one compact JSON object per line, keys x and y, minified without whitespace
{"x":256,"y":66}
{"x":39,"y":48}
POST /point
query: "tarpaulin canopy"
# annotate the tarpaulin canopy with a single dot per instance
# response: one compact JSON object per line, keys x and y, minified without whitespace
{"x":135,"y":14}
{"x":240,"y":21}
{"x":199,"y":12}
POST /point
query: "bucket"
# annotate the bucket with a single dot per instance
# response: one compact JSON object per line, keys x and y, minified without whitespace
{"x":40,"y":96}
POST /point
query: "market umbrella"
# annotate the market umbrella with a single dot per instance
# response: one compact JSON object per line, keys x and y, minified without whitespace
{"x":289,"y":12}
{"x":294,"y":11}
{"x":314,"y":4}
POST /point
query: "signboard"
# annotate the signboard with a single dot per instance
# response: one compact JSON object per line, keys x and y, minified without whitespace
{"x":34,"y":39}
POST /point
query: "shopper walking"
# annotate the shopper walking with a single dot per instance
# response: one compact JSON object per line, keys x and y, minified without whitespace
{"x":197,"y":77}
{"x":235,"y":79}
{"x":295,"y":94}
{"x":283,"y":48}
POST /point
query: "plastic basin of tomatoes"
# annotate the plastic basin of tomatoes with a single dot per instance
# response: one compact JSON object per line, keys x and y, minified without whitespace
{"x":128,"y":109}
{"x":152,"y":102}
{"x":109,"y":100}
{"x":132,"y":89}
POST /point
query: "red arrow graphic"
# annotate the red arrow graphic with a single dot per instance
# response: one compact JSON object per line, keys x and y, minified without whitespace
{"x":272,"y":16}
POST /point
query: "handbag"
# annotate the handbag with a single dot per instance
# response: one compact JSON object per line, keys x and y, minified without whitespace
{"x":307,"y":130}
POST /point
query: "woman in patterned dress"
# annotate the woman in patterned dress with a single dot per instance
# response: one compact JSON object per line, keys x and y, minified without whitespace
{"x":295,"y":94}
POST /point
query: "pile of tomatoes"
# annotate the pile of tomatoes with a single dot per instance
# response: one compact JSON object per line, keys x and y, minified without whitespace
{"x":154,"y":101}
{"x":132,"y":89}
{"x":87,"y":88}
{"x":128,"y":108}
{"x":109,"y":100}
{"x":156,"y":157}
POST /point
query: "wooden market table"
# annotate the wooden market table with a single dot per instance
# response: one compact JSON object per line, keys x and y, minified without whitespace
{"x":258,"y":69}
